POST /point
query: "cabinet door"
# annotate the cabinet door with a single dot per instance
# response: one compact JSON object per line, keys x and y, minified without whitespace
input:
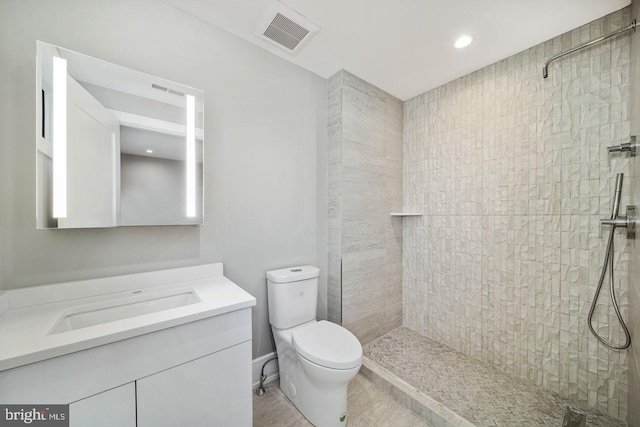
{"x":115,"y":407}
{"x":214,"y":390}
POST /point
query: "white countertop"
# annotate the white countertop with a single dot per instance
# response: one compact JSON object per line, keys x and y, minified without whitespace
{"x":27,"y":315}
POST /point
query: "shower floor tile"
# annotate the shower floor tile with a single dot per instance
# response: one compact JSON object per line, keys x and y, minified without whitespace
{"x":476,"y":391}
{"x":367,"y":407}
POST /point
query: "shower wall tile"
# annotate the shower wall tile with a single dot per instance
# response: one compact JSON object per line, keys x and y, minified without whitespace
{"x":365,"y":186}
{"x":334,"y":198}
{"x":511,"y":172}
{"x":634,"y":247}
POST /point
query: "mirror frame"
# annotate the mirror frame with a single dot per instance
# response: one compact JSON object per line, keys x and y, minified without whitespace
{"x":94,"y":119}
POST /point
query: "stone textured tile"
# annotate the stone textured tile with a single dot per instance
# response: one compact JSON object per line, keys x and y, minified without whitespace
{"x":365,"y":186}
{"x":428,"y":409}
{"x":334,"y":197}
{"x":334,"y":289}
{"x":367,"y":407}
{"x":480,"y":393}
{"x":511,"y":173}
{"x":634,"y":247}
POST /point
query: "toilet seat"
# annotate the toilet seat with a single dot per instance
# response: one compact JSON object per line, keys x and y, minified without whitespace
{"x":328,"y":345}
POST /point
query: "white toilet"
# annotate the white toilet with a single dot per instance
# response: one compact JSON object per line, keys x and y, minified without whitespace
{"x":317,"y":359}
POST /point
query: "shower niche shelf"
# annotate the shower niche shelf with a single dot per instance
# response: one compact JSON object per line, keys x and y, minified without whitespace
{"x":406,"y":214}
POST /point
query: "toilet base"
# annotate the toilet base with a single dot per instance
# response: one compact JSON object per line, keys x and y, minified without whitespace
{"x":330,"y":411}
{"x":319,"y":393}
{"x":324,"y":404}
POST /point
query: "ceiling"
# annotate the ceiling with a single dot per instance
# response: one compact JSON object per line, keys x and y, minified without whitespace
{"x":405,"y":47}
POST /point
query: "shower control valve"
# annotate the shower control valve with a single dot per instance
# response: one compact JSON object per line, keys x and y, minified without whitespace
{"x":627,"y":147}
{"x":628,"y":221}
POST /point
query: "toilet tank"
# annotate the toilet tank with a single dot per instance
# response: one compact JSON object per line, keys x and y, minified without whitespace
{"x":292,"y":295}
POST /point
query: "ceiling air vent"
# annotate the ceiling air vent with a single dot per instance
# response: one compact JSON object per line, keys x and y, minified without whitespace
{"x":285,"y":28}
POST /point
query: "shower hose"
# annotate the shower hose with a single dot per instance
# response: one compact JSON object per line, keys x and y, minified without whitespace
{"x":608,"y":261}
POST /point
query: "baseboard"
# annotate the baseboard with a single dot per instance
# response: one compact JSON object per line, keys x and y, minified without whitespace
{"x":271,"y":370}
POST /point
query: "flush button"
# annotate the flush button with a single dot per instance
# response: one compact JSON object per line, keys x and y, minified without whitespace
{"x":296,"y":270}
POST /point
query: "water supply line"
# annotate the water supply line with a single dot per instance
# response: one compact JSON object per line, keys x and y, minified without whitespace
{"x":614,"y":221}
{"x":260,"y":391}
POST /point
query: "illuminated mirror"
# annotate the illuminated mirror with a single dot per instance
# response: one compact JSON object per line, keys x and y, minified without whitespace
{"x":114,"y":146}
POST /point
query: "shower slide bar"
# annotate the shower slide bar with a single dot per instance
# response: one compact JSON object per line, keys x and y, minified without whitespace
{"x":545,"y":67}
{"x":615,"y":220}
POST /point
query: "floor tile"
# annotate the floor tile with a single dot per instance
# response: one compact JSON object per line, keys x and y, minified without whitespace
{"x":477,"y":391}
{"x":367,"y":406}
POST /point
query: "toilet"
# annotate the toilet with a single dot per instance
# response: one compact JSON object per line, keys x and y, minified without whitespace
{"x":317,"y":359}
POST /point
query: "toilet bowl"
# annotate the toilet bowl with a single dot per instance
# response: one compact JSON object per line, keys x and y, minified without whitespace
{"x":317,"y":359}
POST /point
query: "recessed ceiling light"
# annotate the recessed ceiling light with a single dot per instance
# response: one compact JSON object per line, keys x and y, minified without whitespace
{"x":150,"y":151}
{"x":463,"y":41}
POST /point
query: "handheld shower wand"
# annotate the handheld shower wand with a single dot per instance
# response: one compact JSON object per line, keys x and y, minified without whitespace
{"x":615,"y":221}
{"x":616,"y":197}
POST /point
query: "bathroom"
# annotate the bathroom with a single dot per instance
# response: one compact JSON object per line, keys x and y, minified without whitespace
{"x":503,"y":263}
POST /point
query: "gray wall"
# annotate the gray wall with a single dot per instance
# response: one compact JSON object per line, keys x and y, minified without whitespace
{"x":510,"y":170}
{"x":634,"y":267}
{"x":365,"y":186}
{"x":265,"y":130}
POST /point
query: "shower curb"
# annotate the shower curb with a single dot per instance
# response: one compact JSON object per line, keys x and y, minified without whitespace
{"x":425,"y":407}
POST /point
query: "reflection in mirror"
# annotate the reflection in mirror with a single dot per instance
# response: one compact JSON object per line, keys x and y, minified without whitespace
{"x":114,"y":146}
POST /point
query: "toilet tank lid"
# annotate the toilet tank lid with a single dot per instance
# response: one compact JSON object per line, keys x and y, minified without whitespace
{"x":293,"y":274}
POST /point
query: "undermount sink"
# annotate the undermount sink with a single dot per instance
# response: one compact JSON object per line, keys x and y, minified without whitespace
{"x":86,"y":315}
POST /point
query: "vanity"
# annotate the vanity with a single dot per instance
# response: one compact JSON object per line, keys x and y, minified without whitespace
{"x":163,"y":348}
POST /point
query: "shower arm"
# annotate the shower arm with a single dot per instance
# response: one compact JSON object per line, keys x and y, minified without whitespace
{"x":545,"y":68}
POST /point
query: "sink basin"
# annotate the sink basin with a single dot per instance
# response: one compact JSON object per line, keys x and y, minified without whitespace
{"x":83,"y":316}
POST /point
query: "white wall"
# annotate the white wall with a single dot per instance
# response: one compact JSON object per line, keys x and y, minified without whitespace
{"x":265,"y":132}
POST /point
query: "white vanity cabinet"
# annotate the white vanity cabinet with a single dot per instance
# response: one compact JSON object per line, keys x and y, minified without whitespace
{"x":195,"y":374}
{"x":163,"y":348}
{"x":210,"y":391}
{"x":115,"y":407}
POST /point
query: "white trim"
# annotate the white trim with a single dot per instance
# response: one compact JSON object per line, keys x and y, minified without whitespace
{"x":271,"y":370}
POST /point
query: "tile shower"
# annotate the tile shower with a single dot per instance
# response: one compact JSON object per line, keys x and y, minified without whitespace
{"x":510,"y":172}
{"x":365,"y":185}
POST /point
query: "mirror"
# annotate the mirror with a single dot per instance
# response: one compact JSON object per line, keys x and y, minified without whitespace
{"x":114,"y":146}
